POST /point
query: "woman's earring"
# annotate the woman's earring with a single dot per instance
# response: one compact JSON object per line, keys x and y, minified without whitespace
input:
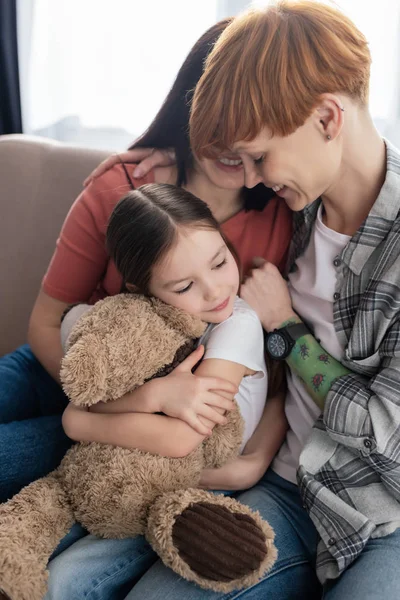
{"x":328,"y":137}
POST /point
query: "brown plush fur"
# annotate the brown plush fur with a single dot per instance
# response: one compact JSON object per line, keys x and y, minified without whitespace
{"x":224,"y":442}
{"x":31,"y":526}
{"x":122,"y":342}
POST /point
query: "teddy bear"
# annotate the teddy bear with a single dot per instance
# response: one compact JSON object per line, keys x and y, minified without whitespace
{"x":212,"y":540}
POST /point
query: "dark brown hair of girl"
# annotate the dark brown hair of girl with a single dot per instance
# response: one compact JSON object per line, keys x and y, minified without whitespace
{"x":143,"y":227}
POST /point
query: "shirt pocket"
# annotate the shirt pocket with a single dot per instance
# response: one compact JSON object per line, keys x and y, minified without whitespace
{"x":368,"y":365}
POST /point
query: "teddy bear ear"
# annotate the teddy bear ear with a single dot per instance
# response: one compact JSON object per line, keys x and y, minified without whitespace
{"x":189,"y":325}
{"x":84,"y":371}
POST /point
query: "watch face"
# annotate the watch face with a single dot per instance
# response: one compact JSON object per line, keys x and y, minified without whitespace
{"x":276,"y":345}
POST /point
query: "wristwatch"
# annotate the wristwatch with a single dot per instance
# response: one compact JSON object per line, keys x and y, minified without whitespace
{"x":279,"y":343}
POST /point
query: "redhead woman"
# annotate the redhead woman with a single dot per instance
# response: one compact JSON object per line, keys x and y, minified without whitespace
{"x":297,"y":75}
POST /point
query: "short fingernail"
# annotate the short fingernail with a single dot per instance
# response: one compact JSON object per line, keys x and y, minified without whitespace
{"x":137,"y":172}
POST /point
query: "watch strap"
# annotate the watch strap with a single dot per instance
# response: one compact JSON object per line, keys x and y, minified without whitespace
{"x":295,"y":330}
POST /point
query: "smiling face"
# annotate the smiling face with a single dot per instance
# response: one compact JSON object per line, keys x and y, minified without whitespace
{"x":225,"y":172}
{"x":299,"y":167}
{"x":198,"y":275}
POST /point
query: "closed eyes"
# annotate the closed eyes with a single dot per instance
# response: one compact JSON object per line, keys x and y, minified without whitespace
{"x":188,"y":287}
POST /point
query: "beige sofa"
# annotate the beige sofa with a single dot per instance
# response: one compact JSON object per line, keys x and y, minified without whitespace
{"x":39,"y":180}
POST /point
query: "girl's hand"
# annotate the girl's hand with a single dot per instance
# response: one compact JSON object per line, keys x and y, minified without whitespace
{"x":267,"y":293}
{"x":147,"y":159}
{"x":189,"y":397}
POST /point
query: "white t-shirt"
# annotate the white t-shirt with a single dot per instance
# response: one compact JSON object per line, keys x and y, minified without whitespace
{"x":312,"y":286}
{"x":240,"y":339}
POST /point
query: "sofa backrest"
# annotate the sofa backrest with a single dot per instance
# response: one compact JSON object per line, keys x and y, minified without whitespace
{"x":39,"y":180}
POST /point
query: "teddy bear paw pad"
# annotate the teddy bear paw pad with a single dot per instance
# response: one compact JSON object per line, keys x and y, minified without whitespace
{"x":212,"y":540}
{"x":218,"y":544}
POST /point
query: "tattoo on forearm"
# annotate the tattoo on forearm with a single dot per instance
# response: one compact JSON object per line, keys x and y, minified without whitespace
{"x":316,"y":369}
{"x":317,"y":380}
{"x":304,"y":351}
{"x":324,"y":358}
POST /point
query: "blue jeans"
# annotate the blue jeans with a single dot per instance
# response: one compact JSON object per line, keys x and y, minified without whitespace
{"x":375,"y":573}
{"x":32,"y":440}
{"x":98,"y":569}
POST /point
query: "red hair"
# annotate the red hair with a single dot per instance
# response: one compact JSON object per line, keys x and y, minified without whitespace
{"x":270,"y":67}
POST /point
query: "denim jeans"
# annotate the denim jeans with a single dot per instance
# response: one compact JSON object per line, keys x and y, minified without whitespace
{"x":32,"y":440}
{"x":374,"y":575}
{"x":98,"y":569}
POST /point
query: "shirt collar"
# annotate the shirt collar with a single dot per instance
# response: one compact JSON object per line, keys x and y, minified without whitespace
{"x":375,"y":227}
{"x":380,"y":218}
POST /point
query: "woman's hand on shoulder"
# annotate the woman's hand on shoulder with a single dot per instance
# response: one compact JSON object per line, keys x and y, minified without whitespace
{"x":146,"y":159}
{"x":191,"y":397}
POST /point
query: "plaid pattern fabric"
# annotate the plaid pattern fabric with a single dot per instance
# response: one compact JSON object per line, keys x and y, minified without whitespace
{"x":349,"y":473}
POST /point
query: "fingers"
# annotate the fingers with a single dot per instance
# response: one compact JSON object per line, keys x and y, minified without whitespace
{"x":104,"y":166}
{"x":215,"y":383}
{"x":191,"y":360}
{"x":261,"y":266}
{"x":157,"y":158}
{"x":148,"y":158}
{"x":216,"y":401}
{"x":129,"y":156}
{"x":135,"y":155}
{"x":258,"y":261}
{"x":212,"y":415}
{"x":196,"y":424}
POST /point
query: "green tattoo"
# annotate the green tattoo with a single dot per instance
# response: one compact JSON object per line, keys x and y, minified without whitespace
{"x":304,"y":351}
{"x":316,"y":369}
{"x":291,"y":321}
{"x":317,"y":380}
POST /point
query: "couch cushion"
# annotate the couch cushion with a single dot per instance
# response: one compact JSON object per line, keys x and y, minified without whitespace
{"x":39,"y":180}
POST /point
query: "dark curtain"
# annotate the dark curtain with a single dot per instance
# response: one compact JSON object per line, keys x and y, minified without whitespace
{"x":10,"y":102}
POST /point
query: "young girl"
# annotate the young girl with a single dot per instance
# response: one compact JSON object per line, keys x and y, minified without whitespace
{"x":166,"y":243}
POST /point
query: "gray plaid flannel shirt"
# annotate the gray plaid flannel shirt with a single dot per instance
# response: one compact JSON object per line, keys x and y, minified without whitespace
{"x":349,"y":473}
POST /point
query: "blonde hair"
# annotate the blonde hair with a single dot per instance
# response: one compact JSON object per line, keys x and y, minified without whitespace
{"x":270,"y":67}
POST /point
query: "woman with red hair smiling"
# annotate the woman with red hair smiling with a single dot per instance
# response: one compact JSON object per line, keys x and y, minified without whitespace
{"x":287,"y":89}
